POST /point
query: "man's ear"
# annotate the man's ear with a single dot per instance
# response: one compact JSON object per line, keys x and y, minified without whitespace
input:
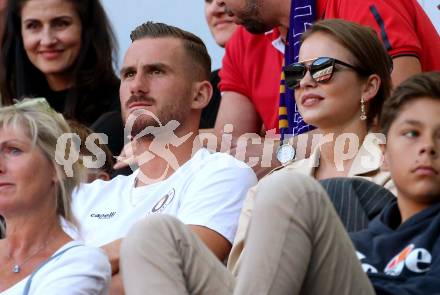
{"x":202,"y":94}
{"x":371,"y":87}
{"x":385,"y":163}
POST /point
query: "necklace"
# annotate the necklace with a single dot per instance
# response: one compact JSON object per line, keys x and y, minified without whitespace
{"x":16,"y":268}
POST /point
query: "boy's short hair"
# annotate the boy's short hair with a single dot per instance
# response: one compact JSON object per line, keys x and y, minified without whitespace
{"x":421,"y":85}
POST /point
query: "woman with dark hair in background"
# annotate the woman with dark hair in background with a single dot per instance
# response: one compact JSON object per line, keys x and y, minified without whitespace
{"x":63,"y":50}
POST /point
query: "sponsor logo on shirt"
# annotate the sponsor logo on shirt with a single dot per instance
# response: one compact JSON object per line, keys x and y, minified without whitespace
{"x":417,"y":260}
{"x":160,"y":206}
{"x":103,"y":216}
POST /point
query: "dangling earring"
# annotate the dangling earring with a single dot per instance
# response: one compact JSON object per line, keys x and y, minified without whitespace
{"x":363,"y":113}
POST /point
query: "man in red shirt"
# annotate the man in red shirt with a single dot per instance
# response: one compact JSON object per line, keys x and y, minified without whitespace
{"x":250,"y":76}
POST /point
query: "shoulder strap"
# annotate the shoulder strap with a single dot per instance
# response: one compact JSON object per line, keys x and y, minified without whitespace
{"x":29,"y":281}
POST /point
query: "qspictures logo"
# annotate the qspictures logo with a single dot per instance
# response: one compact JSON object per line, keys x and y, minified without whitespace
{"x":163,"y":137}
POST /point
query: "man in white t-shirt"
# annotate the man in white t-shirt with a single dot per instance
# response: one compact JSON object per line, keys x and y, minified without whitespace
{"x":164,"y":87}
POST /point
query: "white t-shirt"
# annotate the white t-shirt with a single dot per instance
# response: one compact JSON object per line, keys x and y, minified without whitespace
{"x":208,"y":190}
{"x":80,"y":270}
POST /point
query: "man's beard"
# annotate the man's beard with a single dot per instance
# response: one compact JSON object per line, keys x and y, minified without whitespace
{"x":251,"y":18}
{"x":158,"y":119}
{"x":255,"y":27}
{"x":142,"y":122}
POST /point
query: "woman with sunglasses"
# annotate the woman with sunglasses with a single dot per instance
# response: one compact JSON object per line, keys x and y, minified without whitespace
{"x":341,"y":81}
{"x":340,"y":84}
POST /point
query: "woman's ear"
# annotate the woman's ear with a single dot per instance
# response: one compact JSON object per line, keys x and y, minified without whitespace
{"x":202,"y":94}
{"x":371,"y":87}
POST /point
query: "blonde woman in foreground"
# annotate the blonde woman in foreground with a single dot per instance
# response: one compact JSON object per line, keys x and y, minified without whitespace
{"x":36,"y":256}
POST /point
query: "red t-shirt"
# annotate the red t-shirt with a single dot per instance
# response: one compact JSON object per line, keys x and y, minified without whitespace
{"x":402,"y":25}
{"x":252,"y":65}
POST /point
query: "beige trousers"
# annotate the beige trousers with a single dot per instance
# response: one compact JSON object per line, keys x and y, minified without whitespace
{"x":161,"y":255}
{"x":295,"y":245}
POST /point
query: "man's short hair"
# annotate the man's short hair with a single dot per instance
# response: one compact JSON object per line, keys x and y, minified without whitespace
{"x":193,"y":45}
{"x":421,"y":85}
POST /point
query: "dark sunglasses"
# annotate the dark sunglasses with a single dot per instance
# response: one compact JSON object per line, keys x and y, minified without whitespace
{"x":321,"y":70}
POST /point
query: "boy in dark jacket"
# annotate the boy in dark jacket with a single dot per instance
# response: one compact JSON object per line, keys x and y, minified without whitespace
{"x":401,"y":248}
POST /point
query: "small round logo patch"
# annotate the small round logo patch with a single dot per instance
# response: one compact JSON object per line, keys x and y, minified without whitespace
{"x":163,"y":202}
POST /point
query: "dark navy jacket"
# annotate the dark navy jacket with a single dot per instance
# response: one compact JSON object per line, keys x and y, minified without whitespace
{"x":402,"y":259}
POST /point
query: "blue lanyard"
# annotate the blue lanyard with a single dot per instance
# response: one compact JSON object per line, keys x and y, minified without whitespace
{"x":302,"y":16}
